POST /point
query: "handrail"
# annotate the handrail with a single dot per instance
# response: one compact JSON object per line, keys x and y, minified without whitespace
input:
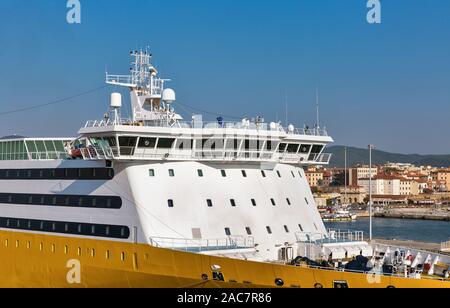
{"x":333,"y":236}
{"x":115,"y":152}
{"x":203,"y":245}
{"x":211,"y":125}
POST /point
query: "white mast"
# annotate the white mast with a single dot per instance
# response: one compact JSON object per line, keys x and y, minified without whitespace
{"x":149,"y":100}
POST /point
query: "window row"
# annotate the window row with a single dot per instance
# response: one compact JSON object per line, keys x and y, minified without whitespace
{"x":200,"y":173}
{"x":85,"y":229}
{"x":215,"y":144}
{"x":269,"y":230}
{"x":100,"y":202}
{"x":233,"y":203}
{"x":58,"y":174}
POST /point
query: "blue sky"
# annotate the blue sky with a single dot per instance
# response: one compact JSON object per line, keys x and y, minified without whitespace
{"x":385,"y":84}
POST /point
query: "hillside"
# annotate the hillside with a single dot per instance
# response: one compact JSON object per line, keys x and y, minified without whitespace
{"x":361,"y":156}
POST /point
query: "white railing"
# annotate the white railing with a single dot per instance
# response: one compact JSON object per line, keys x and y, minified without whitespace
{"x":100,"y":153}
{"x":206,"y":245}
{"x":119,"y":79}
{"x":210,"y":125}
{"x":333,"y":236}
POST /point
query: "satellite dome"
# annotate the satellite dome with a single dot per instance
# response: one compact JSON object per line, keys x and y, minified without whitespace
{"x":116,"y":100}
{"x":169,"y":96}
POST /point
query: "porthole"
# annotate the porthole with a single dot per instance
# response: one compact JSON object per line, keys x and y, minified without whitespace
{"x":279,"y":282}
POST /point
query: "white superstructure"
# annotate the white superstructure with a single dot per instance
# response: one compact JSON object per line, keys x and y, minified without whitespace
{"x":228,"y":188}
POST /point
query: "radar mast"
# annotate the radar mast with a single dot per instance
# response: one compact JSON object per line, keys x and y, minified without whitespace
{"x":148,"y":96}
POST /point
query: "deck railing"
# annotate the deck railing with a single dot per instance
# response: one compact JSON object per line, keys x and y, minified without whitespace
{"x":211,"y":125}
{"x":106,"y":152}
{"x":333,"y":236}
{"x":203,"y":245}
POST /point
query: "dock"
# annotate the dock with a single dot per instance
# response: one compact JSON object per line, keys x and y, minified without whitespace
{"x":431,"y":247}
{"x":417,"y":214}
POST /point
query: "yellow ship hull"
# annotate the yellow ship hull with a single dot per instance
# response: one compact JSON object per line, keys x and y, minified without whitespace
{"x":43,"y":261}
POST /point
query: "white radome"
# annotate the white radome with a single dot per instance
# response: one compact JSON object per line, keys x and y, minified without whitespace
{"x":169,"y":96}
{"x":116,"y":100}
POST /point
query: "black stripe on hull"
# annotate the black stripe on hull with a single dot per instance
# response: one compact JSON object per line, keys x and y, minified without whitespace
{"x":73,"y":228}
{"x":58,"y":174}
{"x":77,"y":201}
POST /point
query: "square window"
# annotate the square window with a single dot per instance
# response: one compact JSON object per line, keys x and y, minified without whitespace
{"x":171,"y":173}
{"x":170,"y":203}
{"x":249,"y":231}
{"x":209,"y":202}
{"x":233,"y":203}
{"x":224,"y":174}
{"x":253,"y":202}
{"x":244,"y":173}
{"x":228,"y":231}
{"x":269,"y":230}
{"x":200,"y":173}
{"x":151,"y":172}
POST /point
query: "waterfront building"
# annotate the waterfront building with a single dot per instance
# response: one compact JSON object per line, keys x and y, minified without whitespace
{"x":360,"y":172}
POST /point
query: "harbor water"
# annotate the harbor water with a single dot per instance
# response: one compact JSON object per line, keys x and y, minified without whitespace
{"x":399,"y":229}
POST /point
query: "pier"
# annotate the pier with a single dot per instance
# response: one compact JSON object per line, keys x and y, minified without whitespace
{"x":415,"y":213}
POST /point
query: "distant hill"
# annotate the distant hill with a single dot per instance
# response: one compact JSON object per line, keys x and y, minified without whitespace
{"x":361,"y":156}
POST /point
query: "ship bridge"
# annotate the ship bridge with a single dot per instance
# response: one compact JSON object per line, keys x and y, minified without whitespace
{"x":156,"y":132}
{"x":204,"y":141}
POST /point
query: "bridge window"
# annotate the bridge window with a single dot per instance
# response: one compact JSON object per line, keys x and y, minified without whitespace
{"x":279,"y":174}
{"x":165,"y":143}
{"x":171,"y":173}
{"x":200,"y":173}
{"x":307,"y":202}
{"x":253,"y":202}
{"x":282,"y":147}
{"x":244,"y":173}
{"x":301,"y":228}
{"x":286,"y":228}
{"x":209,"y":203}
{"x":288,"y":201}
{"x":170,"y":203}
{"x":148,"y":143}
{"x":127,"y":145}
{"x":263,"y":173}
{"x":233,"y":203}
{"x":224,"y":173}
{"x":269,"y":230}
{"x":305,"y":148}
{"x":151,"y":172}
{"x":293,"y":148}
{"x":273,"y":202}
{"x":228,"y":231}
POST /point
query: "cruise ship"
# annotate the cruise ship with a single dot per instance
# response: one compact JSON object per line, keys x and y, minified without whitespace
{"x":160,"y":201}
